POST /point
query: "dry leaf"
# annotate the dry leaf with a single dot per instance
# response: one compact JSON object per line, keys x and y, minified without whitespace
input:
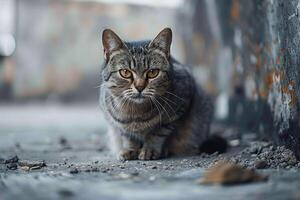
{"x":228,"y":173}
{"x":31,"y":165}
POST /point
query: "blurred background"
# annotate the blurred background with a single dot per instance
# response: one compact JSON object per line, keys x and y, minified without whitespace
{"x":244,"y":53}
{"x":52,"y":50}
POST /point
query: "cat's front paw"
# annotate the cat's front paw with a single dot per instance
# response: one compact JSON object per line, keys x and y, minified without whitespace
{"x":128,"y":154}
{"x":149,"y":154}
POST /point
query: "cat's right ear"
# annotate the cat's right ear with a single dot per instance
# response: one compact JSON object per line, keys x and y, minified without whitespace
{"x":163,"y":41}
{"x":111,"y":42}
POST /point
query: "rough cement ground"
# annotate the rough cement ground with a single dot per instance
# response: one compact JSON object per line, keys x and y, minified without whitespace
{"x":71,"y":141}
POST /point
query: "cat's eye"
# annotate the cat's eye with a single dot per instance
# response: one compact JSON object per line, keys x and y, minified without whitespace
{"x":125,"y":73}
{"x":152,"y":73}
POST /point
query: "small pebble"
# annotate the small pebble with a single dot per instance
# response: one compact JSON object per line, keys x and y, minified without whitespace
{"x":14,"y":159}
{"x":25,"y":168}
{"x":134,"y":173}
{"x":152,"y":178}
{"x":74,"y":171}
{"x":66,"y":193}
{"x":261,"y":164}
{"x":95,"y":169}
{"x":12,"y":166}
{"x":124,"y":176}
{"x":166,"y":167}
{"x":63,"y":141}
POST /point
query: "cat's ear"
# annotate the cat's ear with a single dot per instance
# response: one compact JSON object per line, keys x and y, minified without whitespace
{"x":163,"y":41}
{"x":111,"y":42}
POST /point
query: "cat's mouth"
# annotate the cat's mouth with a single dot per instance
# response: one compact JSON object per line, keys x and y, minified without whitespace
{"x":139,"y":97}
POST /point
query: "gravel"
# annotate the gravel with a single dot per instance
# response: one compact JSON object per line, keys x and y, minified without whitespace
{"x":264,"y":155}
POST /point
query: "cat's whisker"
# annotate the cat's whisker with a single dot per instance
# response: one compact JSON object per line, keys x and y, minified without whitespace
{"x":163,"y":108}
{"x":167,"y":104}
{"x":122,"y":103}
{"x":149,"y":97}
{"x":127,"y":95}
{"x":130,"y":105}
{"x":115,"y":107}
{"x":125,"y":100}
{"x":169,"y":100}
{"x":115,"y":97}
{"x":159,"y":111}
{"x":148,"y":94}
{"x":176,"y":96}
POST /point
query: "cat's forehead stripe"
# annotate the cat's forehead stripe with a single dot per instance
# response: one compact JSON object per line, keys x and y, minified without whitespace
{"x":139,"y":57}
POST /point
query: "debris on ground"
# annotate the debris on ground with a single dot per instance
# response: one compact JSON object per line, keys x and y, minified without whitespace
{"x":265,"y":155}
{"x":12,"y":166}
{"x":256,"y":147}
{"x":13,"y":163}
{"x":279,"y":157}
{"x":66,"y":193}
{"x":225,"y":172}
{"x":261,"y":164}
{"x":13,"y":159}
{"x":124,"y":176}
{"x":74,"y":171}
{"x":31,"y":165}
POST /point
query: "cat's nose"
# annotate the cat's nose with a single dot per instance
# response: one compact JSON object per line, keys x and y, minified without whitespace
{"x":140,"y":85}
{"x":140,"y":88}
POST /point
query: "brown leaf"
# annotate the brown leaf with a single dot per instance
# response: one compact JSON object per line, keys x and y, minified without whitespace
{"x":227,"y":173}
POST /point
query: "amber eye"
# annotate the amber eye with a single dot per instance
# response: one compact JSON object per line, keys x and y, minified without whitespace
{"x":152,"y":73}
{"x":125,"y":73}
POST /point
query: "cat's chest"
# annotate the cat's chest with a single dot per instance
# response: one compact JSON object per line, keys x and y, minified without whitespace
{"x":130,"y":118}
{"x":132,"y":125}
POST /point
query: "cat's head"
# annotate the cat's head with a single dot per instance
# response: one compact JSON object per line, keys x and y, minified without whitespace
{"x":137,"y":70}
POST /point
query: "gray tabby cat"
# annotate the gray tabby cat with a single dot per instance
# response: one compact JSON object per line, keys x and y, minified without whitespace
{"x":152,"y":104}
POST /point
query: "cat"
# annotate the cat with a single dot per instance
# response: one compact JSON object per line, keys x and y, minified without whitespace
{"x":152,"y":103}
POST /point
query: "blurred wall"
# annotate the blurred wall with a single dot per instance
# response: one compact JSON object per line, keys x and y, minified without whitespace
{"x":7,"y":47}
{"x":252,"y":49}
{"x":59,"y":47}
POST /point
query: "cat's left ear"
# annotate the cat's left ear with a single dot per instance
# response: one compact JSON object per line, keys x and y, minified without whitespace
{"x":163,"y":41}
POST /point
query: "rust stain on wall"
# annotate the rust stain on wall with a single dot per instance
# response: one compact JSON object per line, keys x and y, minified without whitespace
{"x":269,"y":77}
{"x":290,"y":89}
{"x":235,"y":11}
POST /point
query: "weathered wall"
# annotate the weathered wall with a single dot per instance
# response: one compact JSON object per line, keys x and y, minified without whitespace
{"x":256,"y":63}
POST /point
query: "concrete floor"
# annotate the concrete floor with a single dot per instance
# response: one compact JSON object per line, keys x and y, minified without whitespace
{"x":71,"y":141}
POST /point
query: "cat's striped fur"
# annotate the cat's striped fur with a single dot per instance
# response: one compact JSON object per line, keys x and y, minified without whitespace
{"x":150,"y":118}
